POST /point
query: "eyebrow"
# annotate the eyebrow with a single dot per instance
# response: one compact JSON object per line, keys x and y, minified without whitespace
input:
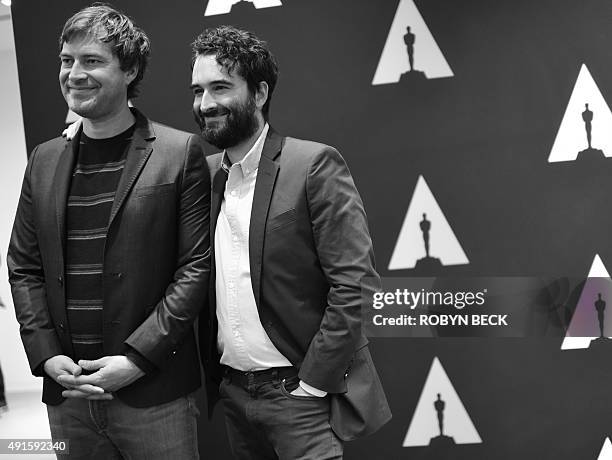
{"x":85,"y":55}
{"x":214,"y":82}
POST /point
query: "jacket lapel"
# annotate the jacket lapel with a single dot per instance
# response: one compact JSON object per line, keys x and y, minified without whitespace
{"x":61,"y":185}
{"x":138,"y":152}
{"x":264,"y":185}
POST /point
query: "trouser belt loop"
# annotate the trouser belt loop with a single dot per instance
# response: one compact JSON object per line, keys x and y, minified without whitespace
{"x":227,"y":373}
{"x":275,"y":378}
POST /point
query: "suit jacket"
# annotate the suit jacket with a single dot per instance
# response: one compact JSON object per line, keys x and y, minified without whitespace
{"x":310,"y":256}
{"x":156,"y":260}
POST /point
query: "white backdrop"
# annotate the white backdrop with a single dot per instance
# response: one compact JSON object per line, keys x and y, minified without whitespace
{"x":13,"y":153}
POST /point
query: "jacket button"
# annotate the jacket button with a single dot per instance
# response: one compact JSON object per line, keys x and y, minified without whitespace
{"x":61,"y":326}
{"x":60,"y":280}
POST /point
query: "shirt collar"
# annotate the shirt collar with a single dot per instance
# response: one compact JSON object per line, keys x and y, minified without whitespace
{"x":250,"y":162}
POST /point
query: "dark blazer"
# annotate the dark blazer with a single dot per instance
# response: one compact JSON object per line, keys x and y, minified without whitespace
{"x":156,"y":260}
{"x":310,"y":256}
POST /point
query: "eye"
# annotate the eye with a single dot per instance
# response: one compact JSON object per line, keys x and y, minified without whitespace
{"x":66,"y":61}
{"x":197,"y":91}
{"x":93,"y":61}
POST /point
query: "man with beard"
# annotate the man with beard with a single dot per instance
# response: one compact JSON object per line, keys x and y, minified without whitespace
{"x":109,"y":257}
{"x":283,"y":348}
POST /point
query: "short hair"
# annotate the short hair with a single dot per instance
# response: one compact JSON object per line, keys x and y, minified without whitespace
{"x":128,"y":42}
{"x":240,"y":50}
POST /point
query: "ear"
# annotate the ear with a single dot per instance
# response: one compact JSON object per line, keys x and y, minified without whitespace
{"x":261,"y":95}
{"x":130,"y":74}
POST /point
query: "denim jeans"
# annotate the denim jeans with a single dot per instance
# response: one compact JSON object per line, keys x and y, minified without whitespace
{"x":265,"y":422}
{"x":113,"y":430}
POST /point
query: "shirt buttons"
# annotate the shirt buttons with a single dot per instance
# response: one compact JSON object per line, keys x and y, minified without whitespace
{"x":233,"y":193}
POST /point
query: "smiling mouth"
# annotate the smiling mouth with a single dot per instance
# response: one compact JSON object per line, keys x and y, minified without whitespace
{"x":216,"y":119}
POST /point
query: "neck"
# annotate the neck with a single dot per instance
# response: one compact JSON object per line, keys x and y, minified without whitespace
{"x":239,"y":151}
{"x":109,"y":126}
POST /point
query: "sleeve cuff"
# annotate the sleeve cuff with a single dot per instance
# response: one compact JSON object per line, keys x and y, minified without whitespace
{"x":312,"y":390}
{"x":143,"y":363}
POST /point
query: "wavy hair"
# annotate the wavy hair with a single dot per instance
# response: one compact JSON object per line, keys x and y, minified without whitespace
{"x":240,"y":50}
{"x":103,"y":22}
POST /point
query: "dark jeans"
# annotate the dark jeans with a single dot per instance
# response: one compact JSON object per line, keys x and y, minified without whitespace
{"x":265,"y":422}
{"x":112,"y":430}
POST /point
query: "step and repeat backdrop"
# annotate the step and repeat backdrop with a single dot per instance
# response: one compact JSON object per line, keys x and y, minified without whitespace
{"x":479,"y":135}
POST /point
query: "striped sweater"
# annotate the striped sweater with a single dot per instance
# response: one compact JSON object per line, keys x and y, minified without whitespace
{"x":95,"y":178}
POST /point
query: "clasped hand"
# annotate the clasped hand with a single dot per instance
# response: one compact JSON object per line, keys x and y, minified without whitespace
{"x":110,"y":373}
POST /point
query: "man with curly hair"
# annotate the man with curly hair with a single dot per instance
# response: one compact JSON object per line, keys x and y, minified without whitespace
{"x":283,"y":349}
{"x":109,"y":257}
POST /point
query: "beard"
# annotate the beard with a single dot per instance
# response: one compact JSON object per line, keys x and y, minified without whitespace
{"x":240,"y":124}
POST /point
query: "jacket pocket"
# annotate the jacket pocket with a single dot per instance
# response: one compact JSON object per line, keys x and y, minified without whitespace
{"x":157,"y":190}
{"x":281,"y":220}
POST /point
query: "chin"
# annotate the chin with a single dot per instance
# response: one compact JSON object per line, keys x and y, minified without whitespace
{"x":80,"y":102}
{"x":84,"y":110}
{"x":80,"y":111}
{"x":220,"y":143}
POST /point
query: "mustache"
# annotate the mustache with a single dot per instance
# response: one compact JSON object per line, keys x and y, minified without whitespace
{"x":214,"y":112}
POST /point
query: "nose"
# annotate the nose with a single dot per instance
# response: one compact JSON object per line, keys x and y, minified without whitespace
{"x":76,"y":72}
{"x":207,"y":102}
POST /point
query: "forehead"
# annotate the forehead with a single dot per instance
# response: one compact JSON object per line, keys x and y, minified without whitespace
{"x":84,"y":44}
{"x":206,"y":69}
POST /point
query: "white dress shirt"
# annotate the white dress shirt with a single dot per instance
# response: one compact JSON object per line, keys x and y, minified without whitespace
{"x":242,"y":340}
